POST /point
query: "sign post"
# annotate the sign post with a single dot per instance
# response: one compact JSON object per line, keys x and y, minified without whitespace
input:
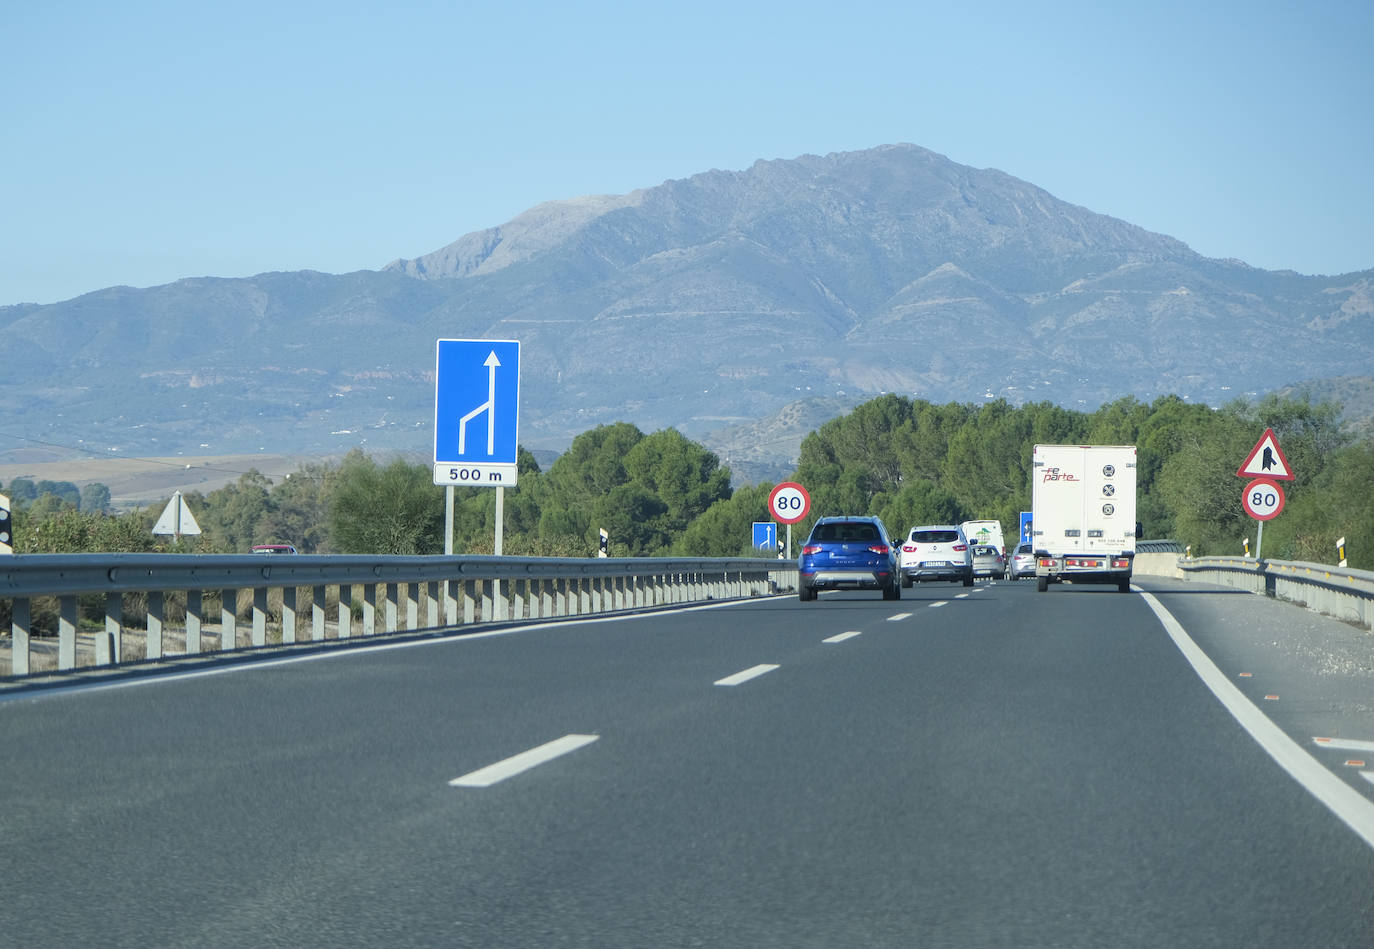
{"x":1263,"y":498}
{"x":788,"y":504}
{"x":477,"y":425}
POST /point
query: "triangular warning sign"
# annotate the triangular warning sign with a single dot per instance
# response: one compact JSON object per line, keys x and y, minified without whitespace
{"x":176,"y":518}
{"x":1266,"y":460}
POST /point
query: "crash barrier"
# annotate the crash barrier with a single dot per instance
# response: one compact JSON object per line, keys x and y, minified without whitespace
{"x":1157,"y":558}
{"x":1335,"y":591}
{"x":163,"y":606}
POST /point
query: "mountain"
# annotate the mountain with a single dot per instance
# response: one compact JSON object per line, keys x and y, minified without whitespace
{"x":707,"y":303}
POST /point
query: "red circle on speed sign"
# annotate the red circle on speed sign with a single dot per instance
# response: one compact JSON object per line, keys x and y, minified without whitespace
{"x":1263,"y":499}
{"x":789,"y":502}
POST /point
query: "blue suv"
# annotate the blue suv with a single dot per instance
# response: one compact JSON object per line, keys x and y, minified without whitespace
{"x":849,"y":553}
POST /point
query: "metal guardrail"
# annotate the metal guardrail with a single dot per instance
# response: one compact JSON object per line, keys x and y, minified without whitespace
{"x":1345,"y":594}
{"x":191,"y":605}
{"x":1158,"y":547}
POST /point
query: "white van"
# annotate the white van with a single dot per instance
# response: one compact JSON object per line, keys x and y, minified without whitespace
{"x":987,"y":533}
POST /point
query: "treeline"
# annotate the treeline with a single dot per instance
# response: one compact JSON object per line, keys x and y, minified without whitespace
{"x":55,"y":495}
{"x":906,"y":461}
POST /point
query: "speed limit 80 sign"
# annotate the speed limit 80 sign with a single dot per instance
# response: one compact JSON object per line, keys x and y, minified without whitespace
{"x":789,"y":502}
{"x":1263,"y":499}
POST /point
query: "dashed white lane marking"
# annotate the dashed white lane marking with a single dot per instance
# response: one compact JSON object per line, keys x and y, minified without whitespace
{"x":752,"y":672}
{"x":938,"y":603}
{"x":1352,"y":807}
{"x":1345,"y":744}
{"x":841,"y":637}
{"x":492,"y":773}
{"x":897,"y":617}
{"x":961,"y":596}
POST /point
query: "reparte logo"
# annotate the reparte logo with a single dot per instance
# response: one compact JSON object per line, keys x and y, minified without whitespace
{"x":1054,"y":474}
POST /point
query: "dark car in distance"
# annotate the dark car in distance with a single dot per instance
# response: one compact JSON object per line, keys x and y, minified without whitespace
{"x":848,"y":553}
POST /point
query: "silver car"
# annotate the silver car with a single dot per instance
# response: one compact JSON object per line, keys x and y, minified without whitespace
{"x":987,"y":561}
{"x":1021,"y":563}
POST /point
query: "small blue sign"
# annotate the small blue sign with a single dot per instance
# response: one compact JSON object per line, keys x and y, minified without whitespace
{"x":476,"y":411}
{"x":1026,"y":537}
{"x":765,"y":535}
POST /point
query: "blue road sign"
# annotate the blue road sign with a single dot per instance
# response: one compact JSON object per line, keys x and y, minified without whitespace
{"x":765,"y":535}
{"x":476,"y":411}
{"x":1026,"y":527}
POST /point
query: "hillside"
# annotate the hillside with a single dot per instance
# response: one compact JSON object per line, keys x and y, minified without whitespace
{"x":707,"y":303}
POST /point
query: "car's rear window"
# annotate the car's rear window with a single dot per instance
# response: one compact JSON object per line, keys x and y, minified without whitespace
{"x":934,"y":537}
{"x":844,"y":532}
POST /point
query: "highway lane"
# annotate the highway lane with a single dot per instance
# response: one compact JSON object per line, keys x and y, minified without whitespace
{"x":993,"y":768}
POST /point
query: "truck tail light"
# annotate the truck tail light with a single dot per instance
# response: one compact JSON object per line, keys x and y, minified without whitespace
{"x":1120,"y":563}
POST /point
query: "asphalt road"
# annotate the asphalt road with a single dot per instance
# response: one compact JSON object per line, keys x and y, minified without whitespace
{"x":959,"y":768}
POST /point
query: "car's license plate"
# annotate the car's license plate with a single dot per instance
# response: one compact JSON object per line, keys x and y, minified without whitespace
{"x":936,"y":563}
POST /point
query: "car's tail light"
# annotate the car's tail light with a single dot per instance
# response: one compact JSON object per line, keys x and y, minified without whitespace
{"x":812,"y":549}
{"x":880,"y":549}
{"x":961,"y":547}
{"x":909,"y":548}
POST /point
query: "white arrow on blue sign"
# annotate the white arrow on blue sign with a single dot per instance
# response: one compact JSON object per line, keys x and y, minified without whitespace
{"x":476,"y":411}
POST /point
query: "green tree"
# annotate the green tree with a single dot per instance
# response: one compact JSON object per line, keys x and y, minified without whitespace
{"x":297,"y":510}
{"x":21,"y":491}
{"x":395,"y":509}
{"x":919,"y":502}
{"x":95,"y":498}
{"x":1337,"y":503}
{"x":726,"y":528}
{"x":65,"y":530}
{"x":229,"y":516}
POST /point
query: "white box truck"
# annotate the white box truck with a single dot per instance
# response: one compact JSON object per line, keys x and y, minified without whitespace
{"x":1083,"y":514}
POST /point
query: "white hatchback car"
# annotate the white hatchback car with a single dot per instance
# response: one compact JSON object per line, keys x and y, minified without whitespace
{"x":936,"y":552}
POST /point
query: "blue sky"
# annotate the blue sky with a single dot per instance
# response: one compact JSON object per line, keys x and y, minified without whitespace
{"x":142,"y":142}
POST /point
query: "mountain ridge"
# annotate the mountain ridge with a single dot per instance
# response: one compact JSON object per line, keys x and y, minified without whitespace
{"x":703,"y":303}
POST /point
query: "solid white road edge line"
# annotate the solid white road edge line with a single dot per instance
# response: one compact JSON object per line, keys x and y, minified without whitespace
{"x":1356,"y":810}
{"x":492,"y":773}
{"x":841,"y":637}
{"x":751,"y":673}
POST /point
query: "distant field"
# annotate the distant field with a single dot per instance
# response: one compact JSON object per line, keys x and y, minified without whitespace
{"x":144,"y":482}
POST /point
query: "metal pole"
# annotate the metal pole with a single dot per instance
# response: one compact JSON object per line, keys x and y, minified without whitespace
{"x":448,"y":520}
{"x":448,"y":546}
{"x":1259,"y":541}
{"x":789,"y":541}
{"x":499,"y":546}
